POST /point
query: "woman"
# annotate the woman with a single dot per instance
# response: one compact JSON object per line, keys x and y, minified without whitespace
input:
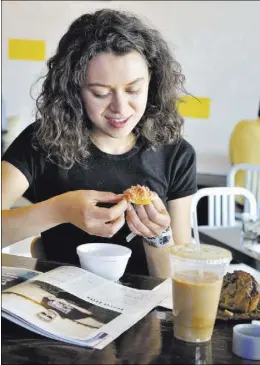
{"x":107,"y":120}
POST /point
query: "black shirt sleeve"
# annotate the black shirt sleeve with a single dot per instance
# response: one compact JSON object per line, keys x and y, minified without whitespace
{"x":22,"y":155}
{"x":183,"y":180}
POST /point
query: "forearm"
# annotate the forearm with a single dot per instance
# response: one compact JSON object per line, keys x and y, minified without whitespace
{"x":158,"y":261}
{"x":28,"y":221}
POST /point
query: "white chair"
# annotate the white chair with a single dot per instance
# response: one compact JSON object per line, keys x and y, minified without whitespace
{"x":251,"y":181}
{"x":221,"y":204}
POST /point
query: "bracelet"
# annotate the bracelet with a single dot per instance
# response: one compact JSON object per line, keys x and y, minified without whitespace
{"x":164,"y":239}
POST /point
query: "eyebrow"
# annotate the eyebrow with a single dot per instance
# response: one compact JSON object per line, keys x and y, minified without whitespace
{"x":109,"y":86}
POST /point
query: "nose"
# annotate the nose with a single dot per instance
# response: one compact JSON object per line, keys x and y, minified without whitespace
{"x":118,"y":103}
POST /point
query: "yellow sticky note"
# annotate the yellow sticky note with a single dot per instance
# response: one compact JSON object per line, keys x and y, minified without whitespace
{"x":26,"y":49}
{"x":194,"y":107}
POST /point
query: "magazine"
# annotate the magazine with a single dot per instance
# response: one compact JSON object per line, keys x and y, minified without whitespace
{"x":73,"y":305}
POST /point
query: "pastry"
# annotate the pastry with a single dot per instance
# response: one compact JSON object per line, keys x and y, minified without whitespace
{"x":138,"y":194}
{"x":239,"y":297}
{"x":240,"y":292}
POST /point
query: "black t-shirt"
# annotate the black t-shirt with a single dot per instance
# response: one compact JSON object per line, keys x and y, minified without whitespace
{"x":170,"y":171}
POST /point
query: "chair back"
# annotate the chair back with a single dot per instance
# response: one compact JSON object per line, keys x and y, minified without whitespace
{"x":251,"y":182}
{"x":221,"y":204}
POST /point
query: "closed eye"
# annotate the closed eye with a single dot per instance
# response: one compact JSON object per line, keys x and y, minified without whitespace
{"x":100,"y":96}
{"x":103,"y":96}
{"x":133,"y":91}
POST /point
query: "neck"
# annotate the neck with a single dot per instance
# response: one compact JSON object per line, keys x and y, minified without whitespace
{"x":114,"y":146}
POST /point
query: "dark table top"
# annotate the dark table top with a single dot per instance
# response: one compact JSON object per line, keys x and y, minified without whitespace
{"x":150,"y":341}
{"x":208,"y":180}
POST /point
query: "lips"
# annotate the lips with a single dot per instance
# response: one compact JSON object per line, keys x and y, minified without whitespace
{"x":116,"y":122}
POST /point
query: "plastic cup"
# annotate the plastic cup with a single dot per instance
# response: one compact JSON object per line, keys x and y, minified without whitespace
{"x":196,"y":285}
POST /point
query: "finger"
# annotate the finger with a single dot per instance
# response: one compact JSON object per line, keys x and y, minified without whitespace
{"x":104,"y":197}
{"x":155,"y":228}
{"x":158,"y":204}
{"x":110,"y":214}
{"x":106,"y":229}
{"x":114,"y":226}
{"x":117,"y":210}
{"x":132,"y":227}
{"x":160,"y":218}
{"x":133,"y":218}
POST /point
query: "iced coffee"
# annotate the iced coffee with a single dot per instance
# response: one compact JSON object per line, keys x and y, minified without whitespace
{"x":196,"y":284}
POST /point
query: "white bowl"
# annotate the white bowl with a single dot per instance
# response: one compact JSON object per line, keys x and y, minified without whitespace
{"x":246,"y":341}
{"x":104,"y":259}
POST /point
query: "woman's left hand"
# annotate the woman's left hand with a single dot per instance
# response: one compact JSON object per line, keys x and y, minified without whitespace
{"x":148,"y":220}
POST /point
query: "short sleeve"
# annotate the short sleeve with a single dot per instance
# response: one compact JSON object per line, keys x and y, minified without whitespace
{"x":183,"y":180}
{"x":22,"y":155}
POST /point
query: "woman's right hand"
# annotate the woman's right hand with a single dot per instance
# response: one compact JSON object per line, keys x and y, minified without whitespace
{"x":79,"y":208}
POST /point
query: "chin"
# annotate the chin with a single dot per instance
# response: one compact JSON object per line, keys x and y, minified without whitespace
{"x":119,"y":135}
{"x":120,"y":132}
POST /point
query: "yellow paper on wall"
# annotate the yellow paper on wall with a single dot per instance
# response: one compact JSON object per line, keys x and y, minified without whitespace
{"x":194,"y":107}
{"x":26,"y":49}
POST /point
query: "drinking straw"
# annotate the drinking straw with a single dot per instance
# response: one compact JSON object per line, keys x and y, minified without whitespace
{"x":130,"y":236}
{"x":197,"y":239}
{"x":196,"y":230}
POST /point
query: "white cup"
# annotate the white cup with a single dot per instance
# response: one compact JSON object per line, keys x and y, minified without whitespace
{"x":246,"y":341}
{"x":104,"y":259}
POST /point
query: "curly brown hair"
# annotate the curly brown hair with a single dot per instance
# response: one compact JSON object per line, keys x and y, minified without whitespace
{"x":63,"y":128}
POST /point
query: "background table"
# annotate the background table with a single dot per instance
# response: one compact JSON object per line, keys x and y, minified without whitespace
{"x":230,"y":238}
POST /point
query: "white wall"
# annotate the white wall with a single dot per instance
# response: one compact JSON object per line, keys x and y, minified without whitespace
{"x":217,"y":43}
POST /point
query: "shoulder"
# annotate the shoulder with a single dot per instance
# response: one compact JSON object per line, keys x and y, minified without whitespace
{"x":23,"y":144}
{"x":181,"y":169}
{"x":172,"y":153}
{"x":176,"y":157}
{"x":32,"y":127}
{"x":180,"y":149}
{"x":28,"y":132}
{"x":185,"y":147}
{"x":22,"y":154}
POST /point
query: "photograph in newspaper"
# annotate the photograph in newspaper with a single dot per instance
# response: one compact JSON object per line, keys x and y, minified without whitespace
{"x":55,"y":310}
{"x":11,"y":276}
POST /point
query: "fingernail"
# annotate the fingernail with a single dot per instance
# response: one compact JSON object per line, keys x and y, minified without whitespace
{"x":155,"y":195}
{"x":129,"y":207}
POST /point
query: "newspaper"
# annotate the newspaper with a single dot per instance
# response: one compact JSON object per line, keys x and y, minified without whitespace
{"x":167,"y":294}
{"x":73,"y":305}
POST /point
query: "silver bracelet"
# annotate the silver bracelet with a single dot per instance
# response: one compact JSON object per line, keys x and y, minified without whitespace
{"x":163,"y":240}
